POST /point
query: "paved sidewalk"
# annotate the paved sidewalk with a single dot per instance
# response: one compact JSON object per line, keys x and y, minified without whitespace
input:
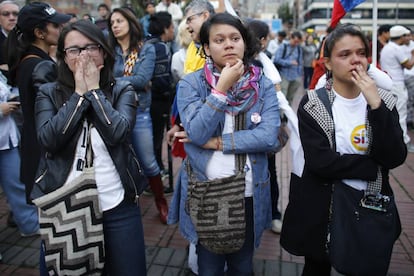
{"x":167,"y":250}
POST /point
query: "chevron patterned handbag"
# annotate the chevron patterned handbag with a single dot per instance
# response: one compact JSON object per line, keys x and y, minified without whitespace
{"x":71,"y":225}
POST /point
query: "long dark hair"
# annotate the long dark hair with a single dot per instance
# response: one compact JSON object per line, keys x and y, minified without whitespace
{"x":65,"y":75}
{"x":135,"y":29}
{"x":341,"y":31}
{"x":17,"y":44}
{"x":251,"y":46}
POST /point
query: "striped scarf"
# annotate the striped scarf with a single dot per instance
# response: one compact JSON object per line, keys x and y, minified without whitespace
{"x":243,"y":94}
{"x":130,"y":62}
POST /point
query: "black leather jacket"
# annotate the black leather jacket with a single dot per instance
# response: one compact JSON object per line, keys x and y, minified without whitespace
{"x":59,"y":127}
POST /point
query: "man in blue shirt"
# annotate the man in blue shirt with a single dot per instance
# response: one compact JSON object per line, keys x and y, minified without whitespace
{"x":289,"y":61}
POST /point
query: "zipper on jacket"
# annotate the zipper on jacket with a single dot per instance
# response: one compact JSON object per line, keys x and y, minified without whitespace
{"x":37,"y":180}
{"x":81,"y":99}
{"x":100,"y":105}
{"x":136,"y":200}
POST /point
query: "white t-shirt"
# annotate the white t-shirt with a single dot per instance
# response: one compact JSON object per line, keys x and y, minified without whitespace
{"x":392,"y":56}
{"x":110,"y":189}
{"x":223,"y":165}
{"x":108,"y":182}
{"x":350,"y":131}
{"x":409,"y":48}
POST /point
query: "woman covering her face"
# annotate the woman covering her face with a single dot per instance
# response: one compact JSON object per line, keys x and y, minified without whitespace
{"x":365,"y":141}
{"x":86,"y":93}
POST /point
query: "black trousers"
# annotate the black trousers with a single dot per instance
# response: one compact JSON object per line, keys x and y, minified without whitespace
{"x":160,"y":115}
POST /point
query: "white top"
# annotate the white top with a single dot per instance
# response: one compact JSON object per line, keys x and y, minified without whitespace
{"x":108,"y":182}
{"x":8,"y":129}
{"x":177,"y":64}
{"x":350,"y":131}
{"x":173,"y":9}
{"x":409,"y":48}
{"x":223,"y":165}
{"x":382,"y":79}
{"x":392,"y":56}
{"x":269,"y":69}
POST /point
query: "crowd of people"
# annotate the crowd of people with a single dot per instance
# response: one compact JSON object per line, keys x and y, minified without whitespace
{"x":215,"y":87}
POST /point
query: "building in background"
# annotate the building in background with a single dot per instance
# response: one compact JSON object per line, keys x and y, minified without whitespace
{"x":316,"y":14}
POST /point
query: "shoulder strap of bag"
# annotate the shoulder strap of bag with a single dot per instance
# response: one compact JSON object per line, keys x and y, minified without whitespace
{"x":240,"y":159}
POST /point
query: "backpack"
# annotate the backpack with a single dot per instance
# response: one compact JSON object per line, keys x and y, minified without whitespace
{"x":161,"y":80}
{"x":278,"y":65}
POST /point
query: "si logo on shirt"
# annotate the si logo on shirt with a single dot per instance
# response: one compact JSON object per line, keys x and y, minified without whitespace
{"x":359,"y":138}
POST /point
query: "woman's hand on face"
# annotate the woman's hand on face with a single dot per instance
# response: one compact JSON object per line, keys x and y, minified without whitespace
{"x":229,"y":75}
{"x":92,"y":73}
{"x":367,"y":86}
{"x":87,"y":74}
{"x":79,"y":76}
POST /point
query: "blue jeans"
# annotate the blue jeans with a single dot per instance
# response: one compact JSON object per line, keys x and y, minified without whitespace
{"x":142,"y":141}
{"x":124,"y":240}
{"x":238,"y":263}
{"x":24,"y":215}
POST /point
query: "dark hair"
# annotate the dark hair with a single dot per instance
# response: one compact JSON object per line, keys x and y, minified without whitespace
{"x":341,"y":31}
{"x":103,"y":5}
{"x":282,"y":34}
{"x":258,"y":28}
{"x":17,"y":44}
{"x":251,"y":47}
{"x":91,"y":31}
{"x":296,"y":34}
{"x":159,"y":22}
{"x":135,"y":29}
{"x":384,"y":29}
{"x":147,"y":3}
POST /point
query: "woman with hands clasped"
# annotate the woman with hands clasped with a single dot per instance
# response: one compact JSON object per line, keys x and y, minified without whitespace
{"x":85,"y":102}
{"x":356,"y":146}
{"x":210,"y":102}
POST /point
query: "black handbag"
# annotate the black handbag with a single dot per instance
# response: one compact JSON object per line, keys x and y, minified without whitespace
{"x":362,"y":231}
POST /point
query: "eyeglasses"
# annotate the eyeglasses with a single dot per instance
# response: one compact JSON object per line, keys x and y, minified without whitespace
{"x":191,"y":17}
{"x":7,"y":13}
{"x":72,"y":52}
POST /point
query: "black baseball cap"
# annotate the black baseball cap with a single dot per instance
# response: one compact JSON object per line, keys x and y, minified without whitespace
{"x":35,"y":13}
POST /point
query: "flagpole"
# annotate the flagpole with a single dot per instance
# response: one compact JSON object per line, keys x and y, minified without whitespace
{"x":374,"y":32}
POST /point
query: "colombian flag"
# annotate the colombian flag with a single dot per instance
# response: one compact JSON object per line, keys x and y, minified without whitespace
{"x":340,"y":8}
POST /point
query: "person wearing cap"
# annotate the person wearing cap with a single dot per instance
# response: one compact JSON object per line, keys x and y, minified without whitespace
{"x":393,"y":61}
{"x":28,"y":44}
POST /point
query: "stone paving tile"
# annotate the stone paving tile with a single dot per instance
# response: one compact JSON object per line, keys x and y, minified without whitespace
{"x":166,"y":252}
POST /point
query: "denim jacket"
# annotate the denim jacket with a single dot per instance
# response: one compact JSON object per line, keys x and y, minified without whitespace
{"x":203,"y":117}
{"x":141,"y":73}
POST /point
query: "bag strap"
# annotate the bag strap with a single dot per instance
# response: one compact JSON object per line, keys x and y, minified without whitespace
{"x":89,"y":151}
{"x":240,"y":159}
{"x":239,"y":124}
